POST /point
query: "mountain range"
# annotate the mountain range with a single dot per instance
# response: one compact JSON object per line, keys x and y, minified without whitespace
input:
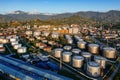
{"x":110,"y":16}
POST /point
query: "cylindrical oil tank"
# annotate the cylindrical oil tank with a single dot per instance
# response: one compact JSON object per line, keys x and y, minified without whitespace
{"x":76,"y":51}
{"x":16,"y":46}
{"x":1,"y":45}
{"x":70,"y":41}
{"x":4,"y":41}
{"x":58,"y":52}
{"x":66,"y":56}
{"x":13,"y":43}
{"x":87,"y":56}
{"x":109,"y":52}
{"x":1,"y":39}
{"x":93,"y":48}
{"x":101,"y":60}
{"x":77,"y":61}
{"x":81,"y":44}
{"x":93,"y":69}
{"x":67,"y":47}
{"x":12,"y":39}
{"x":22,"y":50}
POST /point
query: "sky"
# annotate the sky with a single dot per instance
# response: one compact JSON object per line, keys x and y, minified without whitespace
{"x":58,"y":6}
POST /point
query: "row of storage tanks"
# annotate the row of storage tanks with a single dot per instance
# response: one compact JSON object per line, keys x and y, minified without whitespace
{"x":77,"y":58}
{"x":70,"y":40}
{"x":14,"y":40}
{"x":15,"y":43}
{"x":2,"y":42}
{"x":108,"y":52}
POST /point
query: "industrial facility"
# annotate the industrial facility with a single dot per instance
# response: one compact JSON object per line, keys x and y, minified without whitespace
{"x":38,"y":55}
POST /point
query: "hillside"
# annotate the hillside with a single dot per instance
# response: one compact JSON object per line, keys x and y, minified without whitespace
{"x":110,"y":16}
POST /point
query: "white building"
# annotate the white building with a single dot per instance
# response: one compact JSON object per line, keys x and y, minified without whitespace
{"x":55,"y":35}
{"x":74,"y":30}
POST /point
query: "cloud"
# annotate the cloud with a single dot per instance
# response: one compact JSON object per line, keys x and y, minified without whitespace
{"x":34,"y":12}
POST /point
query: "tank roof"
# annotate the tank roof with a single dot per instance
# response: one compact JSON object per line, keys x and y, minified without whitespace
{"x":86,"y":54}
{"x":94,"y":64}
{"x":76,"y":50}
{"x":78,"y":57}
{"x":22,"y":47}
{"x":59,"y":49}
{"x":94,"y":45}
{"x":67,"y":53}
{"x":99,"y":57}
{"x":109,"y":48}
{"x":82,"y":42}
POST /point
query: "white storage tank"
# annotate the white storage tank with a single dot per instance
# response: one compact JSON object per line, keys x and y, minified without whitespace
{"x":12,"y":39}
{"x":81,"y":44}
{"x":87,"y":56}
{"x":1,"y":45}
{"x":109,"y":52}
{"x":22,"y":50}
{"x":66,"y":56}
{"x":2,"y":48}
{"x":77,"y":38}
{"x":77,"y":61}
{"x":1,"y":39}
{"x":93,"y":69}
{"x":101,"y":60}
{"x":4,"y":41}
{"x":67,"y":47}
{"x":58,"y":52}
{"x":16,"y":46}
{"x":14,"y":42}
{"x":93,"y":48}
{"x":76,"y":51}
{"x":70,"y":41}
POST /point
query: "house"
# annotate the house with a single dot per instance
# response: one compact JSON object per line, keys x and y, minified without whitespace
{"x":42,"y":45}
{"x":48,"y":49}
{"x":45,"y":33}
{"x":36,"y":33}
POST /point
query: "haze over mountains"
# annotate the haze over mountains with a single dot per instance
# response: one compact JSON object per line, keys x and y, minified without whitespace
{"x":110,"y":16}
